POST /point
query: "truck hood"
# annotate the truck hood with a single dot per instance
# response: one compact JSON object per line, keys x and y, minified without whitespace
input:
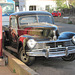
{"x":40,"y":25}
{"x":39,"y":30}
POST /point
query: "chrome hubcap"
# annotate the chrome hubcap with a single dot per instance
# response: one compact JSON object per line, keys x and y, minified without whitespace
{"x":24,"y":57}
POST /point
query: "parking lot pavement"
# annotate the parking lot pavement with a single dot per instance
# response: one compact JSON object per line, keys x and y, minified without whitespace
{"x":55,"y":66}
{"x":65,"y":27}
{"x":4,"y":70}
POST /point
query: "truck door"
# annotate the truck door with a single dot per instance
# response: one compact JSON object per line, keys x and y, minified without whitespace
{"x":13,"y":31}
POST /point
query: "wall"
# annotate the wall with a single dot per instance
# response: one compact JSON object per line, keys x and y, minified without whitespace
{"x":65,"y":19}
{"x":40,"y":4}
{"x":21,"y":4}
{"x":3,"y":1}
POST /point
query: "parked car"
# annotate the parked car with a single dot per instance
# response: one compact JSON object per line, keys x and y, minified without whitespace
{"x":56,"y":13}
{"x":33,"y":34}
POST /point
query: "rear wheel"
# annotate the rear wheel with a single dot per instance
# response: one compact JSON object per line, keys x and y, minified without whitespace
{"x":70,"y":57}
{"x":25,"y":58}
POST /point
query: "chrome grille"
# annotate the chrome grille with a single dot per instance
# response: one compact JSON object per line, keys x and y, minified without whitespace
{"x":71,"y":47}
{"x":55,"y":50}
{"x":40,"y":46}
{"x":68,"y":43}
{"x":53,"y":45}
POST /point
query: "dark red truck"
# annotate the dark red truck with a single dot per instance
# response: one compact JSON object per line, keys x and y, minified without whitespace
{"x":56,"y":13}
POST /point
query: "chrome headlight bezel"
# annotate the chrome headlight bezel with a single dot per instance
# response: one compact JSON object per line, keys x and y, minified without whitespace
{"x":31,"y":43}
{"x":73,"y":39}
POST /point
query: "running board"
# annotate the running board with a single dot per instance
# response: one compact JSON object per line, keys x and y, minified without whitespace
{"x":11,"y":49}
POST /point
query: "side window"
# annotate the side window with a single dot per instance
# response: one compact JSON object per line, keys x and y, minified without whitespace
{"x":13,"y":22}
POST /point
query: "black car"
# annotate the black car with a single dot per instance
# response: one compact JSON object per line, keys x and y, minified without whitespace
{"x":33,"y":34}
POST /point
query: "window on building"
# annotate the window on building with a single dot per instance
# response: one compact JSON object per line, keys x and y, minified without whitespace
{"x":47,"y":8}
{"x":32,"y":8}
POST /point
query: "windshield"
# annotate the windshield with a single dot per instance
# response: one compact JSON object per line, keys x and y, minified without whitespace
{"x":7,"y":8}
{"x":35,"y":19}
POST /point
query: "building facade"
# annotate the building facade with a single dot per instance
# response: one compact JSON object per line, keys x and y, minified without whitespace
{"x":2,"y":1}
{"x":36,"y":5}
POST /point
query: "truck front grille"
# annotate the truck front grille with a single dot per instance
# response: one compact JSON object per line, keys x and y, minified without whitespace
{"x":40,"y":46}
{"x":54,"y":45}
{"x":55,"y":50}
{"x":68,"y":43}
{"x":44,"y":45}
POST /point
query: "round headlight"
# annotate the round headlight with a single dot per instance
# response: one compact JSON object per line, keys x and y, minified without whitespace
{"x":73,"y":39}
{"x":31,"y":43}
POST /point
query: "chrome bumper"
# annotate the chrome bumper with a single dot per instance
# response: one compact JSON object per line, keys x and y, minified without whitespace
{"x":50,"y":53}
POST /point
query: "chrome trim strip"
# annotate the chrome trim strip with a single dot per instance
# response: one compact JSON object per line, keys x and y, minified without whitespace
{"x":53,"y":48}
{"x":36,"y":53}
{"x":46,"y":53}
{"x":66,"y":51}
{"x":71,"y":51}
{"x":49,"y":49}
{"x":71,"y":46}
{"x":57,"y":54}
{"x":51,"y":41}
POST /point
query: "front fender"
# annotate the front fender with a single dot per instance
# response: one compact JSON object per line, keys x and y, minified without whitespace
{"x":23,"y":40}
{"x":26,"y":37}
{"x":66,"y":35}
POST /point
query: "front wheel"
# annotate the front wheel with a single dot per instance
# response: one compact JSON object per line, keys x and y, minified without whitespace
{"x":70,"y":57}
{"x":25,"y":58}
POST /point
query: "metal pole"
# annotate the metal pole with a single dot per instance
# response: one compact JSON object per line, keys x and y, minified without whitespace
{"x":0,"y":31}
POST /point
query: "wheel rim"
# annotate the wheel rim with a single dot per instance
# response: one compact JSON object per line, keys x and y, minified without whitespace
{"x":68,"y":57}
{"x":24,"y":57}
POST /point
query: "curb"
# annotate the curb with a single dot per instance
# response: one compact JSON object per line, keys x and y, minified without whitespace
{"x":19,"y":67}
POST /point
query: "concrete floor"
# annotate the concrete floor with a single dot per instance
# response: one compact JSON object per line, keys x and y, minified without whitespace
{"x":55,"y":66}
{"x":4,"y":70}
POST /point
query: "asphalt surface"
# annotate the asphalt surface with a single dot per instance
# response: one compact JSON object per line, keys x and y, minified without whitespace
{"x":65,"y":27}
{"x":55,"y":66}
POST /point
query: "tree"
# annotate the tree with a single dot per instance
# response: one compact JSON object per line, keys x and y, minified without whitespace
{"x":72,"y":2}
{"x":61,"y":4}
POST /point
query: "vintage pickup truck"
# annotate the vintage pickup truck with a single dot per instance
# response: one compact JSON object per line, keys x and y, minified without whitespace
{"x":33,"y":33}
